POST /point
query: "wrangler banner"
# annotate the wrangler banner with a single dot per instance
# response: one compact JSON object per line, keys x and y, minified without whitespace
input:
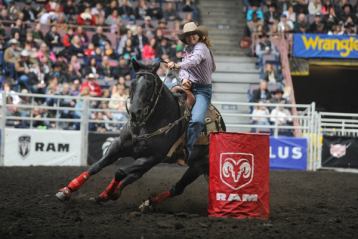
{"x":325,"y":46}
{"x":340,"y":152}
{"x":239,"y":175}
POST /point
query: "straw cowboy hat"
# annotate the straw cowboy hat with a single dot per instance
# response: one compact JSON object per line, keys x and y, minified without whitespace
{"x":191,"y":28}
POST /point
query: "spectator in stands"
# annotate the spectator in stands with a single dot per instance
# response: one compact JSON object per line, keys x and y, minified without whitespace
{"x":99,"y":38}
{"x":262,"y":93}
{"x":317,"y":26}
{"x":139,"y":40}
{"x":76,"y":49}
{"x":254,"y":18}
{"x":277,"y":96}
{"x":155,"y":11}
{"x":148,"y":52}
{"x":348,"y":15}
{"x":330,"y":17}
{"x":301,"y":25}
{"x":22,"y":67}
{"x":148,"y":25}
{"x":65,"y":102}
{"x":19,"y":27}
{"x":122,"y":69}
{"x":314,"y":7}
{"x":169,"y":12}
{"x":37,"y":34}
{"x":141,"y":10}
{"x":53,"y":38}
{"x":261,"y":116}
{"x":272,"y":15}
{"x":92,"y":85}
{"x":82,"y":35}
{"x":126,"y":11}
{"x":285,"y":25}
{"x":10,"y":57}
{"x":129,"y":51}
{"x":290,"y":13}
{"x":67,"y":38}
{"x":113,"y":18}
{"x":86,"y":18}
{"x":271,"y":75}
{"x":301,"y":7}
{"x":282,"y":117}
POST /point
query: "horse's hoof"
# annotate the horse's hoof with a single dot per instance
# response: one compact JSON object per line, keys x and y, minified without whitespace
{"x":146,"y":206}
{"x":64,"y":194}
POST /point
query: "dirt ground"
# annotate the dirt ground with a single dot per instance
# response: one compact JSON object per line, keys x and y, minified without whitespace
{"x":303,"y":205}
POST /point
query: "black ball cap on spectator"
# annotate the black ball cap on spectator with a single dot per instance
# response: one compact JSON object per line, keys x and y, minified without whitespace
{"x":278,"y":91}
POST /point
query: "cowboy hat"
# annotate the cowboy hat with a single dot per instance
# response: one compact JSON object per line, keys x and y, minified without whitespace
{"x":13,"y":41}
{"x":25,"y":53}
{"x":191,"y":28}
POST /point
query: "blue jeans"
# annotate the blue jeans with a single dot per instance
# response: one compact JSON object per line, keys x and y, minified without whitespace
{"x":202,"y":94}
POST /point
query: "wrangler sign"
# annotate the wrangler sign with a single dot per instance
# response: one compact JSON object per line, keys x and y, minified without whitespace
{"x":239,"y":175}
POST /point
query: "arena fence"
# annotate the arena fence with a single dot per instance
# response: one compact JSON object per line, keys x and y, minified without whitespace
{"x":29,"y":113}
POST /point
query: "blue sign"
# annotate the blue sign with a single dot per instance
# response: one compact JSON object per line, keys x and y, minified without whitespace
{"x":325,"y":46}
{"x":288,"y":153}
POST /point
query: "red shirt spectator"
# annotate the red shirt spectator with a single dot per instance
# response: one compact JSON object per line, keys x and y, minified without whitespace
{"x":148,"y":52}
{"x":94,"y":88}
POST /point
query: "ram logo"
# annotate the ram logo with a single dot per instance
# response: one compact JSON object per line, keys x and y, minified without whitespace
{"x":236,"y":169}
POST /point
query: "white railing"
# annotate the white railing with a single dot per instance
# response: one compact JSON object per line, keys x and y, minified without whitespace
{"x":339,"y":124}
{"x":305,"y":123}
{"x":28,"y":118}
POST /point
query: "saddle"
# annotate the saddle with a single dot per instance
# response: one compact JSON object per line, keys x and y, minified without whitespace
{"x":213,"y":123}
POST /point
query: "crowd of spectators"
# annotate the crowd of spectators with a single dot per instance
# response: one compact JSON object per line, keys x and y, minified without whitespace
{"x":83,"y":48}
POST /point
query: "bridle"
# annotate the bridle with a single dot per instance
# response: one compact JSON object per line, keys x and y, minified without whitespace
{"x":150,"y":107}
{"x":153,"y":103}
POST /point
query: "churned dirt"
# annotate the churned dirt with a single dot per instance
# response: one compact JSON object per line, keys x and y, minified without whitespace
{"x":303,"y":205}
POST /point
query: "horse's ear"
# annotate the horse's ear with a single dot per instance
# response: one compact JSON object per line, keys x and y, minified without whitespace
{"x":135,"y":65}
{"x":155,"y":67}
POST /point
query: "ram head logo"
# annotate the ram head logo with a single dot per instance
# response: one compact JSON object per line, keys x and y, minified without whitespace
{"x":236,"y":169}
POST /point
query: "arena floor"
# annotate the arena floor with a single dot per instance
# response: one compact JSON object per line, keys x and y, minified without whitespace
{"x":303,"y":205}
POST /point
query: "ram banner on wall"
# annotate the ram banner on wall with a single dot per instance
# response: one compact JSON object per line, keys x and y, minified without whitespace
{"x":25,"y":147}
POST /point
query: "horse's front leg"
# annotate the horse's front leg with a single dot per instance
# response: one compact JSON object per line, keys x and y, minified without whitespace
{"x":120,"y":147}
{"x":125,"y":176}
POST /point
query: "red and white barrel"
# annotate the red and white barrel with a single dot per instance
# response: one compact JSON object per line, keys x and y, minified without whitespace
{"x":239,"y":175}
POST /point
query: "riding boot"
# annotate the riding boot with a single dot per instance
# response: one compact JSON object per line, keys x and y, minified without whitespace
{"x":76,"y":183}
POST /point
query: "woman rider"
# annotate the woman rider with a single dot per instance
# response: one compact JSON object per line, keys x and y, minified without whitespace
{"x":195,"y":72}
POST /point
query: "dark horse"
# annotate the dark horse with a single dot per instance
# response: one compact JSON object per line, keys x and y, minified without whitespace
{"x":156,"y":122}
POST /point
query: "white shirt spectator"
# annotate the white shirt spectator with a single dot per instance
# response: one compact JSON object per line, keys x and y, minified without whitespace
{"x":281,"y":115}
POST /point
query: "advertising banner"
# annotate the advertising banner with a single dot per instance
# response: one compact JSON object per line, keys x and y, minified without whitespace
{"x":25,"y":147}
{"x":325,"y":46}
{"x":239,"y":175}
{"x":288,"y":153}
{"x":340,"y":152}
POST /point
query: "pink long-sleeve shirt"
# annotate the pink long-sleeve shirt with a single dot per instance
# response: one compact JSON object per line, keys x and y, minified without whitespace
{"x":197,"y":64}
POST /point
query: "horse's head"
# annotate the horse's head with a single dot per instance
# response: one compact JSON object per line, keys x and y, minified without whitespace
{"x":145,"y":92}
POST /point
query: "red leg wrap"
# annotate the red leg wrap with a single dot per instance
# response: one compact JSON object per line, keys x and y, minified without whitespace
{"x":110,"y":189}
{"x":76,"y":183}
{"x":160,"y":197}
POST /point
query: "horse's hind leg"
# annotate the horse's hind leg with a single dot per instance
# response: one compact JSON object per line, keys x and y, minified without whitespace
{"x":126,"y":176}
{"x":197,"y":168}
{"x":116,"y":150}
